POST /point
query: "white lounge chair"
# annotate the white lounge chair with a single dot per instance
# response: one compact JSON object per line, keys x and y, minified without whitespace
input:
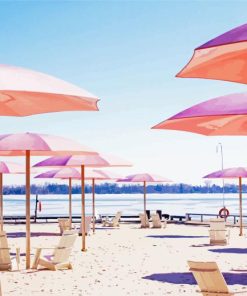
{"x":156,"y":222}
{"x":217,"y":232}
{"x":5,"y":259}
{"x":114,"y":222}
{"x":88,"y":220}
{"x":59,"y":259}
{"x":64,"y":224}
{"x":209,"y":279}
{"x":144,"y":221}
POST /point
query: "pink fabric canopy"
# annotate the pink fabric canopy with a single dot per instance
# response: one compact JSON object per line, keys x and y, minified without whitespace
{"x":87,"y":160}
{"x":222,"y":58}
{"x":226,"y":115}
{"x":239,"y":172}
{"x":7,"y":167}
{"x":39,"y":145}
{"x":144,"y":178}
{"x":25,"y":92}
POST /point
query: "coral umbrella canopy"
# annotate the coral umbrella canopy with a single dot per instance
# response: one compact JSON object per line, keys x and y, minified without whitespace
{"x":226,"y":115}
{"x":25,"y":92}
{"x":238,"y":172}
{"x":222,"y":58}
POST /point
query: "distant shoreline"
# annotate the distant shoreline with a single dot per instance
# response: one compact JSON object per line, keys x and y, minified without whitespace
{"x":113,"y":188}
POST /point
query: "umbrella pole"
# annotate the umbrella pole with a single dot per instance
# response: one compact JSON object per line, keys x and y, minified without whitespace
{"x":93,"y":191}
{"x":240,"y":208}
{"x":70,"y":202}
{"x":1,"y":200}
{"x":145,"y":193}
{"x":83,"y":225}
{"x":27,"y":209}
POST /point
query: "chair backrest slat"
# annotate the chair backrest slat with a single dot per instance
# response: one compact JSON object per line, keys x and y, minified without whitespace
{"x":208,"y":277}
{"x":63,"y":250}
{"x":156,"y":221}
{"x":144,"y":220}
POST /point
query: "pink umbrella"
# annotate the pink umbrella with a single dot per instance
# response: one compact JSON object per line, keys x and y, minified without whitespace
{"x":222,"y":58}
{"x":36,"y":144}
{"x":7,"y":168}
{"x":239,"y":173}
{"x":83,"y":161}
{"x":66,"y":173}
{"x":221,"y":116}
{"x":25,"y":92}
{"x":98,"y":175}
{"x":145,"y":178}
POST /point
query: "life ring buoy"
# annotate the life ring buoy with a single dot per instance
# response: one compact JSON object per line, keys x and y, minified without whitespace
{"x":40,"y":206}
{"x":224,"y":213}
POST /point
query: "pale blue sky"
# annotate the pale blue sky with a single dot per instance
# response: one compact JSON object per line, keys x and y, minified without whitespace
{"x":127,"y":53}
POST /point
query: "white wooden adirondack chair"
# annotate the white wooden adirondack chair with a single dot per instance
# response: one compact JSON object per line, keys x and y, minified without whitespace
{"x":209,"y":279}
{"x":156,"y":222}
{"x":114,"y":222}
{"x":5,"y":260}
{"x":144,"y":221}
{"x":88,"y":220}
{"x":217,"y":232}
{"x":60,"y":255}
{"x":64,"y":224}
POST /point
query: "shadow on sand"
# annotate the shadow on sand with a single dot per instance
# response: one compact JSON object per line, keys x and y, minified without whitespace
{"x":33,"y":234}
{"x":230,"y":250}
{"x":176,"y":236}
{"x":187,"y":278}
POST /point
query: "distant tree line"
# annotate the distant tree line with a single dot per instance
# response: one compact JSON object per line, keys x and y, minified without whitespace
{"x":110,"y":188}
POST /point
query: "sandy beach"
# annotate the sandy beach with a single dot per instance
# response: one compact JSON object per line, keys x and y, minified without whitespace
{"x":127,"y":261}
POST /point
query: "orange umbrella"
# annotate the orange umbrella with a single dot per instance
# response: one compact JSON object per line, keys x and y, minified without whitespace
{"x":25,"y":92}
{"x":222,"y":58}
{"x":36,"y":144}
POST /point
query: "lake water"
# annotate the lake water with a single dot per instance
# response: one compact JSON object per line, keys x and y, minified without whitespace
{"x":173,"y":204}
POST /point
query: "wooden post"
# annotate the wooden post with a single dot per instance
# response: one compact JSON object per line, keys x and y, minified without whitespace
{"x":240,"y":208}
{"x":36,"y":208}
{"x":28,"y":209}
{"x":1,"y":201}
{"x":83,"y":224}
{"x":70,"y":202}
{"x":93,"y":203}
{"x":145,"y":193}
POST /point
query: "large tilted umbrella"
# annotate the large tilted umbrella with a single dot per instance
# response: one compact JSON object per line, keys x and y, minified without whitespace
{"x":144,"y":178}
{"x":222,"y":58}
{"x":239,"y":172}
{"x":83,"y":161}
{"x":28,"y":144}
{"x":25,"y":92}
{"x":226,"y":115}
{"x":7,"y":167}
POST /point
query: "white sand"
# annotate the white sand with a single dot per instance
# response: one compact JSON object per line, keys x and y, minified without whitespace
{"x":118,"y":260}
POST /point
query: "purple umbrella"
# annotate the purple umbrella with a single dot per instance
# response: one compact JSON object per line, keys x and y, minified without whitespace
{"x":239,"y":173}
